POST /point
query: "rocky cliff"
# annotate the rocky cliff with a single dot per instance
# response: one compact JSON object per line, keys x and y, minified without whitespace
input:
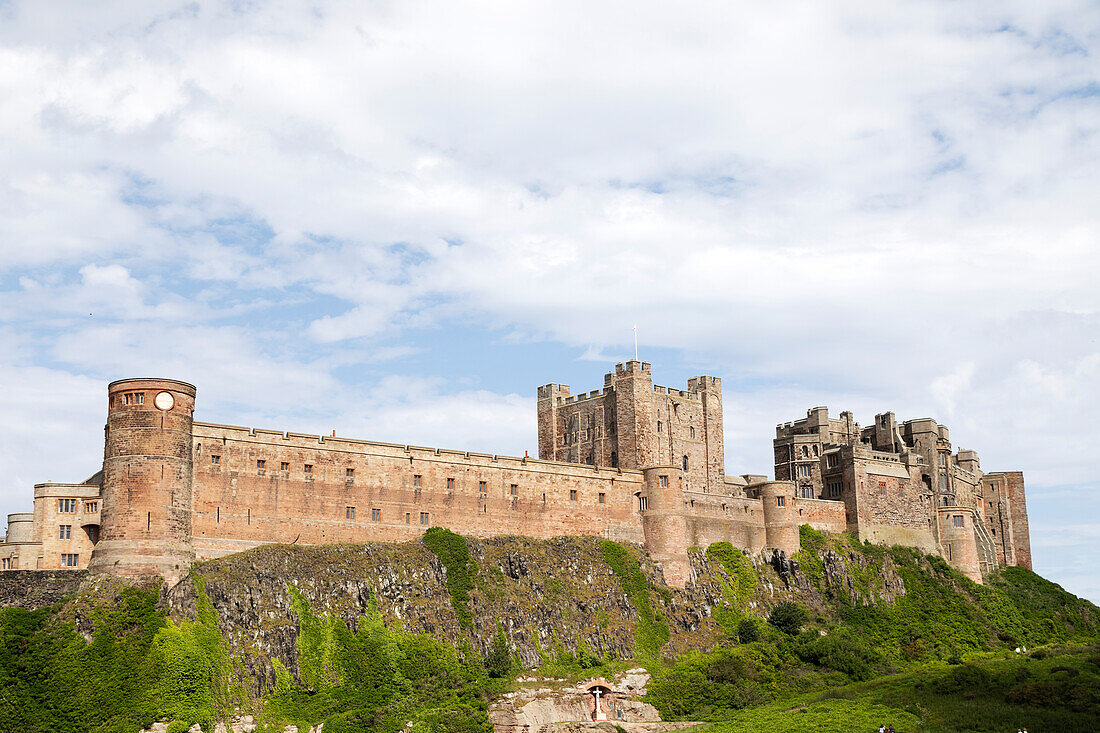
{"x":548,"y":596}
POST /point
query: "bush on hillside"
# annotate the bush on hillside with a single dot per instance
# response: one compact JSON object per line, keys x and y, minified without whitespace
{"x":788,"y":617}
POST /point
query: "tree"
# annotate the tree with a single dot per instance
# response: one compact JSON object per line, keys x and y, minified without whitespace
{"x":788,"y":617}
{"x":747,"y":631}
{"x":499,"y":661}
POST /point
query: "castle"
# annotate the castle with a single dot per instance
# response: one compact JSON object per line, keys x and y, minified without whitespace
{"x":629,"y":462}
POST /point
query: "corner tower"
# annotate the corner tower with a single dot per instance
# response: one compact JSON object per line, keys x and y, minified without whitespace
{"x":145,"y":525}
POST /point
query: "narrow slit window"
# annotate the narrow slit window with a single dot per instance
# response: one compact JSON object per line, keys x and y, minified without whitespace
{"x":572,"y":494}
{"x":602,"y":498}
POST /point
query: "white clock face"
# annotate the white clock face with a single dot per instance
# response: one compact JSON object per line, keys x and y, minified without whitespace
{"x":164,"y":401}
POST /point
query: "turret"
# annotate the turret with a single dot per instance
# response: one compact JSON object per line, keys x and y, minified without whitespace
{"x":661,"y":506}
{"x":709,"y":390}
{"x":780,"y":529}
{"x":147,"y":480}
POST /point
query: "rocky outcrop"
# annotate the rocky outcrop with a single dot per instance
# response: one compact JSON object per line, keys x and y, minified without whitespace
{"x":33,"y":589}
{"x":537,"y":704}
{"x":548,"y":596}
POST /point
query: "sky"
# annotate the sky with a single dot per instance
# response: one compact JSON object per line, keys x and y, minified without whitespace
{"x":396,"y":219}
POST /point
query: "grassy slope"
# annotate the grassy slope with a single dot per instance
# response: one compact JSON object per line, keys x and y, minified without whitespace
{"x":1055,"y":693}
{"x":855,"y":663}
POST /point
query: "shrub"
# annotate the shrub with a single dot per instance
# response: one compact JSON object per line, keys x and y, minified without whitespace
{"x":499,"y":662}
{"x":747,"y":631}
{"x":179,"y":726}
{"x":788,"y":617}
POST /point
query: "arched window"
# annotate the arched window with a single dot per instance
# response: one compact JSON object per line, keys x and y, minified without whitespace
{"x":685,"y":463}
{"x":614,"y":459}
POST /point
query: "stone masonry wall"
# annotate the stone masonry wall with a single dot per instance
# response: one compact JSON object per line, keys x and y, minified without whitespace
{"x":357,"y":491}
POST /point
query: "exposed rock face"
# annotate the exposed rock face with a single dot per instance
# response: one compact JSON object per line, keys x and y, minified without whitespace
{"x":547,"y":595}
{"x":33,"y":589}
{"x":541,"y":703}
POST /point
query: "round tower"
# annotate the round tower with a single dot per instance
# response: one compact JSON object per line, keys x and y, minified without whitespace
{"x":780,"y":528}
{"x":663,"y":522}
{"x":20,"y":528}
{"x":145,"y":519}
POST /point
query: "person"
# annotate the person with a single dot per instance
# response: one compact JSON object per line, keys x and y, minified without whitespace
{"x":890,"y":728}
{"x":882,"y":729}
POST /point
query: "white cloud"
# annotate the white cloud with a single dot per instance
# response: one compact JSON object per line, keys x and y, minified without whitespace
{"x":893,"y":208}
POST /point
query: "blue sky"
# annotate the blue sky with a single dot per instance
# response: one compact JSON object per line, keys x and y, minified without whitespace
{"x":396,"y":220}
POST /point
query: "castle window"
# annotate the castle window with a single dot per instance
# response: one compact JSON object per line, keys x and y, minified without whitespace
{"x":572,"y":494}
{"x":450,"y":484}
{"x":833,"y":489}
{"x":803,"y":470}
{"x":514,"y":489}
{"x":832,"y":460}
{"x":408,"y":517}
{"x":91,"y":507}
{"x":943,"y":482}
{"x":65,"y":532}
{"x":781,"y":501}
{"x":643,"y":503}
{"x":284,"y":466}
{"x":416,"y":481}
{"x":133,"y":398}
{"x":482,"y":487}
{"x":882,"y":485}
{"x":69,"y":560}
{"x":614,"y":459}
{"x":692,"y":431}
{"x":5,"y":564}
{"x":602,"y":498}
{"x":261,"y":464}
{"x":685,"y":463}
{"x":349,"y":473}
{"x":215,"y":460}
{"x":308,"y":468}
{"x":423,"y":517}
{"x":66,"y":506}
{"x":662,"y":481}
{"x":349,"y":512}
{"x":588,"y":459}
{"x":376,"y":515}
{"x":658,"y":426}
{"x":957,"y":520}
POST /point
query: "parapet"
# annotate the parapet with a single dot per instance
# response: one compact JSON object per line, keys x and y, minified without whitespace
{"x":703,"y":382}
{"x":549,"y":391}
{"x":632,"y":367}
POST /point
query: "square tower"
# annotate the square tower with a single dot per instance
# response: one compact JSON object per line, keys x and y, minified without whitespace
{"x":633,"y":424}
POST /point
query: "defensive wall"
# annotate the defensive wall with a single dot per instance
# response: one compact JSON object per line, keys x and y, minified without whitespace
{"x":632,"y":462}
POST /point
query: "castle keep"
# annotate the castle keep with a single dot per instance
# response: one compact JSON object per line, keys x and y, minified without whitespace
{"x":631,"y":462}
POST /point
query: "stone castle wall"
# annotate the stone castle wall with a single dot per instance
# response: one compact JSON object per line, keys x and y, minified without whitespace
{"x":632,"y":462}
{"x":355,"y":491}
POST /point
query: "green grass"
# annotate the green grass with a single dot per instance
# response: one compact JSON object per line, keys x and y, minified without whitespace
{"x":452,"y":551}
{"x":651,"y":630}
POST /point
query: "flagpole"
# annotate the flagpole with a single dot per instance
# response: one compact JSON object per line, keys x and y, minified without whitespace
{"x":635,"y":329}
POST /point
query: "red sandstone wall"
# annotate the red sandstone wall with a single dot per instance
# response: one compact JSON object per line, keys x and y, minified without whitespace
{"x":238,"y":505}
{"x":821,"y":514}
